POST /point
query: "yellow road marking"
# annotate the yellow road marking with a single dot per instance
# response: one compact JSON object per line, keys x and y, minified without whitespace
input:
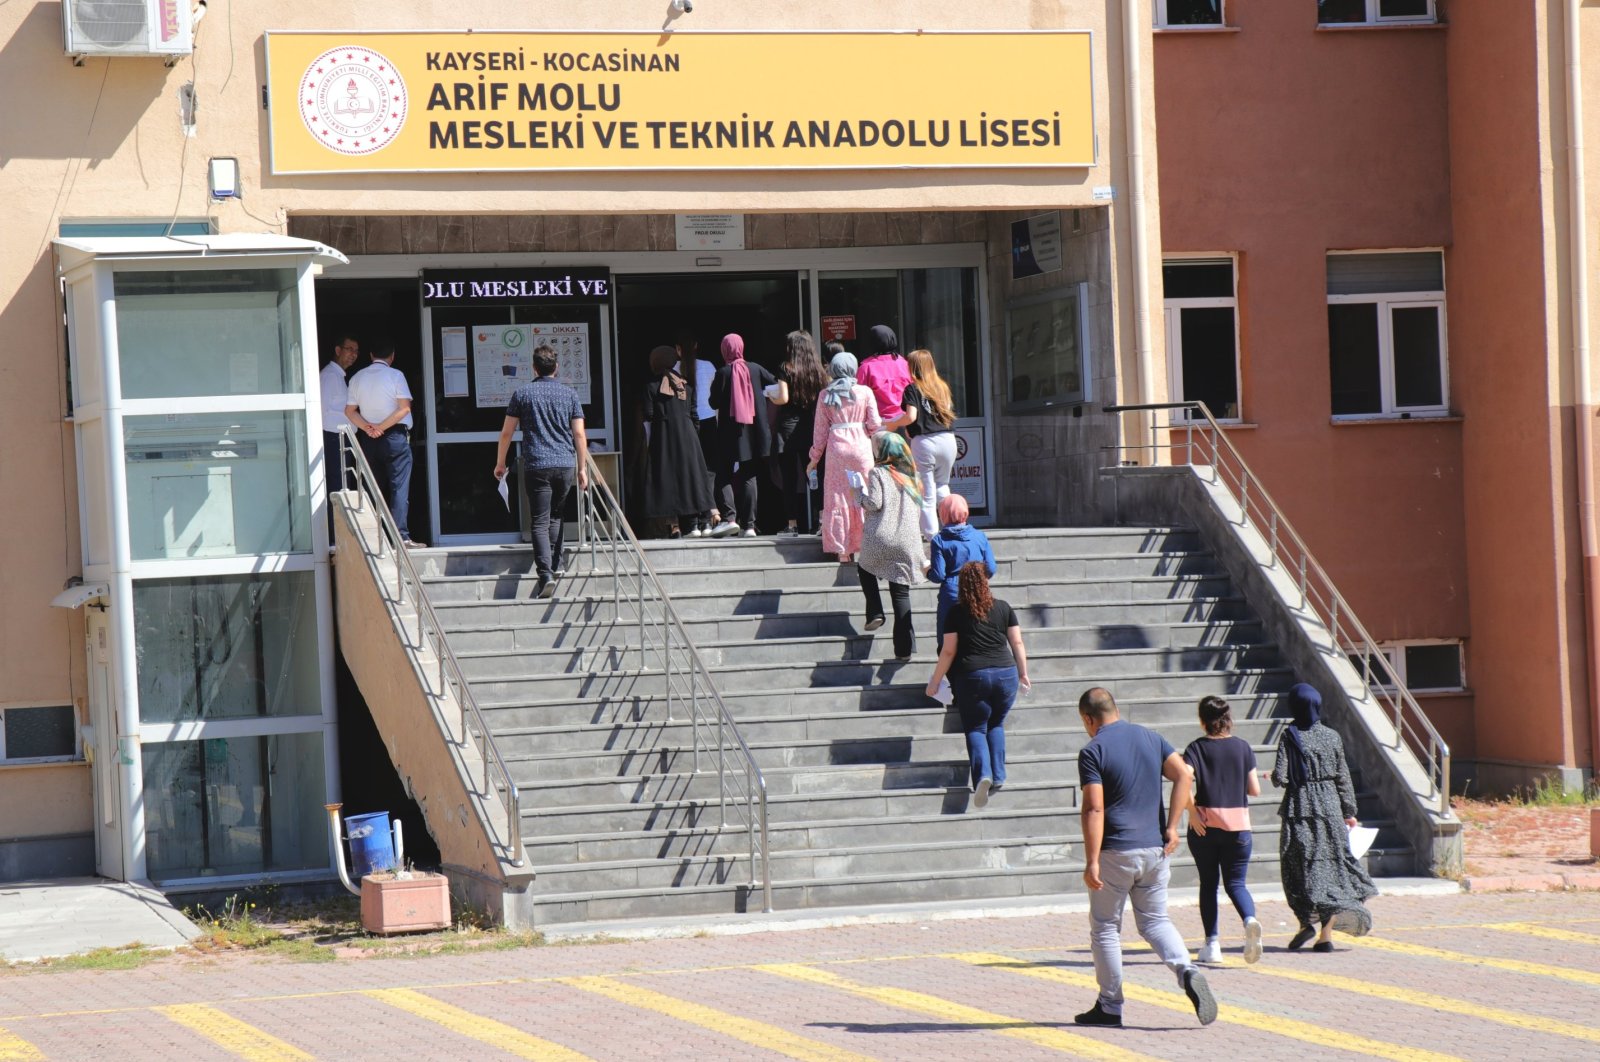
{"x":507,"y":1038}
{"x":1515,"y":1019}
{"x":1536,"y":969}
{"x":745,"y":1030}
{"x":1534,"y":929}
{"x":1232,"y":1015}
{"x":933,"y":1006}
{"x":14,"y":1048}
{"x":232,"y":1035}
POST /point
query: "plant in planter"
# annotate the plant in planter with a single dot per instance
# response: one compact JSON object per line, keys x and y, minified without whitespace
{"x":404,"y":901}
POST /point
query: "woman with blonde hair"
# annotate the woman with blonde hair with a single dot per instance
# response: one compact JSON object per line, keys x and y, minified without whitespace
{"x":927,"y":416}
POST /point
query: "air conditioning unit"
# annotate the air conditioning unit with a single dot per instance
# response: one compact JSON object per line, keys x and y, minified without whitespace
{"x":128,"y":28}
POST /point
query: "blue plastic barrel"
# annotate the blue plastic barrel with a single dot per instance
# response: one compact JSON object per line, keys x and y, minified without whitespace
{"x":371,"y":843}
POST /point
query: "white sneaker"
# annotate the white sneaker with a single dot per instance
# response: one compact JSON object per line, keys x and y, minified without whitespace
{"x":694,"y":532}
{"x":749,"y":532}
{"x":724,"y":529}
{"x":1211,"y":954}
{"x":980,"y":795}
{"x":1252,"y":940}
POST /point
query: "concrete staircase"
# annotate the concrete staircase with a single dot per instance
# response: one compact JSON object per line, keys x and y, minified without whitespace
{"x":867,"y":778}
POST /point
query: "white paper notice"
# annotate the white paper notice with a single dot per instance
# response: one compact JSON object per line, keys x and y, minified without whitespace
{"x":944,"y":694}
{"x":502,"y":359}
{"x":505,"y":490}
{"x":1361,"y":838}
{"x":453,"y":349}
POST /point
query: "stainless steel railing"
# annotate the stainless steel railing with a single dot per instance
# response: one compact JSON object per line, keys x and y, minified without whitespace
{"x":1204,"y":444}
{"x":607,"y":540}
{"x":430,"y":632}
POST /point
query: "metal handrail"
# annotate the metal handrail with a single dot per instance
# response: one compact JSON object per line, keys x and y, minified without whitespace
{"x":354,"y":463}
{"x":602,"y":523}
{"x":1317,"y":590}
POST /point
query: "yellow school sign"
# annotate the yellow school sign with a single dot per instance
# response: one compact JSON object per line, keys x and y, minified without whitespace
{"x":421,"y":102}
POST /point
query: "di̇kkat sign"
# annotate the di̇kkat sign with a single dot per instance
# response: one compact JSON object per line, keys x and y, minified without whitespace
{"x":439,"y":102}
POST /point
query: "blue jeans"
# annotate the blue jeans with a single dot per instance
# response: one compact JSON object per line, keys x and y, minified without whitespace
{"x":547,"y":499}
{"x":1140,"y":875}
{"x":390,"y":458}
{"x":983,"y":698}
{"x":1222,"y":856}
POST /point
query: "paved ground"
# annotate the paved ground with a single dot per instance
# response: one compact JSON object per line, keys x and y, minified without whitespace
{"x":66,"y":916}
{"x":1512,"y":975}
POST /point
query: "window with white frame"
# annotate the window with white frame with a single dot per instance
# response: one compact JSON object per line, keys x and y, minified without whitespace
{"x":1357,"y":12}
{"x":1423,"y":665}
{"x":1201,"y":308}
{"x":38,"y":734}
{"x":1178,"y":14}
{"x":1386,"y":338}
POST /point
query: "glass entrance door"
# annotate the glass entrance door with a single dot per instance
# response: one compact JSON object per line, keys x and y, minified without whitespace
{"x":477,"y":357}
{"x":930,"y":309}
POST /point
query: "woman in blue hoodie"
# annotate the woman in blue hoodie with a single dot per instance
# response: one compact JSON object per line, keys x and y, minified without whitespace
{"x":956,"y":544}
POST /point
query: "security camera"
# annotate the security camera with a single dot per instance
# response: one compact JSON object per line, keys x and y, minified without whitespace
{"x":683,"y":7}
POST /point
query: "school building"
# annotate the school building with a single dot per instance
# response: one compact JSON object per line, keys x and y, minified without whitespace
{"x":1358,"y":230}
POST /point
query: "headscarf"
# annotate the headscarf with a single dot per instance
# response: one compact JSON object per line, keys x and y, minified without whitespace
{"x":890,"y":450}
{"x":662,"y":359}
{"x":742,"y":396}
{"x":953,"y":510}
{"x":843,"y":368}
{"x":1306,"y":704}
{"x":881,"y":340}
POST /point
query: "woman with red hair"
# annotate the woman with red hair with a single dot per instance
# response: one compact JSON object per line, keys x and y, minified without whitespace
{"x":983,"y":655}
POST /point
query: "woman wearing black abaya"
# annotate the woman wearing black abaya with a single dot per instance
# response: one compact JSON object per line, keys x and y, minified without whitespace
{"x":1322,"y":881}
{"x":675,"y":486}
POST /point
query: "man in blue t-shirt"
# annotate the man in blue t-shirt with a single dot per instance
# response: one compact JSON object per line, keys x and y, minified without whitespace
{"x":1125,"y":850}
{"x":555,"y":454}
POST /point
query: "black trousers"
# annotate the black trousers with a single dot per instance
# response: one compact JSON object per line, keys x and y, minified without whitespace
{"x":745,"y":479}
{"x":547,"y":490}
{"x":390,"y":458}
{"x":721,"y":482}
{"x":905,"y":638}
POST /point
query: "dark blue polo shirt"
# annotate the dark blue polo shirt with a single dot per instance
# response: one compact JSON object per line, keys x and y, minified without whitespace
{"x":546,"y":409}
{"x":1126,"y":759}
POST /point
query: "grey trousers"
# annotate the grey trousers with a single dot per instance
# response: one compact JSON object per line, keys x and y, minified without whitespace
{"x":1140,"y":875}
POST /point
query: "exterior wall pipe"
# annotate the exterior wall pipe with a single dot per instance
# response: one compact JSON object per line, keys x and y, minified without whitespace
{"x":1584,"y":413}
{"x":336,"y":836}
{"x":1133,"y":119}
{"x":129,"y":765}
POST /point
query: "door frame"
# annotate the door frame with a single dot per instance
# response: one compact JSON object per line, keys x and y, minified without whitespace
{"x":807,"y":262}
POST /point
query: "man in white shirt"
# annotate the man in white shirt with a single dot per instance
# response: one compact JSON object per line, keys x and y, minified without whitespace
{"x":335,"y":396}
{"x":379,"y":405}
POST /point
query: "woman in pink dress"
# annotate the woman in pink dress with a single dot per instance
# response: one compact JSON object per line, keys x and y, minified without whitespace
{"x":847,"y":418}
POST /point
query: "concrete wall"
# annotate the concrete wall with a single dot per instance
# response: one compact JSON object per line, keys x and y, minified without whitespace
{"x":46,"y":821}
{"x":1527,"y":659}
{"x":1280,"y":143}
{"x":103,"y":141}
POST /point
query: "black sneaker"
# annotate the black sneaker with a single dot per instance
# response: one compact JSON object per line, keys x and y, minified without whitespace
{"x":1096,"y":1015}
{"x":1199,"y":993}
{"x":545,"y":588}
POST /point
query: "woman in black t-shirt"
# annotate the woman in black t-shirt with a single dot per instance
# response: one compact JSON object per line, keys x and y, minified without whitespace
{"x":1224,"y":770}
{"x":983,"y":655}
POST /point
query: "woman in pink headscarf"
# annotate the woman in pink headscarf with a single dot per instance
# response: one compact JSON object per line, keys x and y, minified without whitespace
{"x":743,"y":432}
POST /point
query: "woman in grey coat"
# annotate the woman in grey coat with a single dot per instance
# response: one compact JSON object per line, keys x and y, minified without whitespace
{"x":1322,"y":881}
{"x":891,"y":537}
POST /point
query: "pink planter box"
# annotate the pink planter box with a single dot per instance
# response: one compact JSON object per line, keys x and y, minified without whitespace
{"x":1594,"y":832}
{"x":395,"y":905}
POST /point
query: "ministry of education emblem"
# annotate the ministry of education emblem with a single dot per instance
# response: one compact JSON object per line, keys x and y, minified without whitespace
{"x":353,"y":100}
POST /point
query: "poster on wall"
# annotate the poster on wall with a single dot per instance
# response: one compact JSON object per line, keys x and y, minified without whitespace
{"x":1046,"y":348}
{"x":969,"y":476}
{"x":502,"y":359}
{"x":1036,"y":245}
{"x":453,"y":350}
